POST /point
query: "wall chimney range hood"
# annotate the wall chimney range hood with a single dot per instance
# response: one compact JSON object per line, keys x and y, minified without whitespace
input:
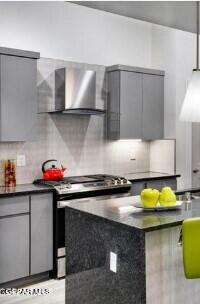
{"x":75,"y":92}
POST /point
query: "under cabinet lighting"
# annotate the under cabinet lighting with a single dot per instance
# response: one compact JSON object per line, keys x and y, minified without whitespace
{"x":136,"y":140}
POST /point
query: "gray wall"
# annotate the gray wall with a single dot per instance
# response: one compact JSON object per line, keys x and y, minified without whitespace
{"x":174,"y":51}
{"x":67,"y":31}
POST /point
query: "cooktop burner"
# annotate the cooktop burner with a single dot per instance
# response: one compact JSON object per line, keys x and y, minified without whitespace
{"x":86,"y":183}
{"x":81,"y":179}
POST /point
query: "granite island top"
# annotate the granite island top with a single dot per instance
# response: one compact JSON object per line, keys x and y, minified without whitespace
{"x":146,"y":176}
{"x":113,"y":210}
{"x":24,"y":189}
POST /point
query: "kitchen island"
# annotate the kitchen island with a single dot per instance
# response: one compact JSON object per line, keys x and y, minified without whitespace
{"x":117,"y":254}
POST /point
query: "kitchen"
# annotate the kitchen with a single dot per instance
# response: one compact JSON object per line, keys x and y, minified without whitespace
{"x":84,"y":143}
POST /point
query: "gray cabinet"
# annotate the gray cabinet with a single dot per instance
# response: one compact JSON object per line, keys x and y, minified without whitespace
{"x":26,"y":236}
{"x":113,"y":106}
{"x":14,"y":243}
{"x":152,"y":106}
{"x":138,"y":186}
{"x":14,"y":205}
{"x":18,"y":94}
{"x":41,"y":233}
{"x":130,"y":105}
{"x":135,"y":103}
{"x":159,"y":184}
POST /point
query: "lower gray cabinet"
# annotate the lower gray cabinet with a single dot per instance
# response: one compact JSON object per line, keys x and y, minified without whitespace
{"x":14,"y":205}
{"x":41,"y":233}
{"x":159,"y":184}
{"x":14,"y":247}
{"x":26,"y":236}
{"x":137,"y":187}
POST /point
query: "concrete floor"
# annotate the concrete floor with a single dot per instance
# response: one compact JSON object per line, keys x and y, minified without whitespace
{"x":56,"y":294}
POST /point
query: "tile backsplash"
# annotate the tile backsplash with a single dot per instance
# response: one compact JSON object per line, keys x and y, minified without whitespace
{"x":162,"y":156}
{"x":78,"y":142}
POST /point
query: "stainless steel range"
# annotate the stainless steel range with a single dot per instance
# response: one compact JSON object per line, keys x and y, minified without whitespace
{"x":88,"y":183}
{"x":92,"y":187}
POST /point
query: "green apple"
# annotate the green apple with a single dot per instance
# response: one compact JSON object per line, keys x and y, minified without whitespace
{"x":149,"y":197}
{"x":167,"y":197}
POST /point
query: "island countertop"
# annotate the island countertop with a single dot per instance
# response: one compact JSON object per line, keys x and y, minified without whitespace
{"x":115,"y":210}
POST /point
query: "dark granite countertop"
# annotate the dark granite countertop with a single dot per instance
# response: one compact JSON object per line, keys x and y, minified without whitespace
{"x":136,"y":218}
{"x":146,"y":176}
{"x":23,"y":190}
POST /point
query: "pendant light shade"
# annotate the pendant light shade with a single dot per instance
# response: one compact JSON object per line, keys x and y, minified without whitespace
{"x":191,"y":106}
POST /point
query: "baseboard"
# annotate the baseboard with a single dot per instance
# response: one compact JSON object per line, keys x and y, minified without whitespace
{"x":27,"y":280}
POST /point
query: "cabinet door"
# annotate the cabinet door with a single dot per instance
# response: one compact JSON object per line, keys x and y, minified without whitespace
{"x":14,"y":205}
{"x":113,"y":106}
{"x":14,"y":247}
{"x":153,"y":106}
{"x":130,"y":105}
{"x":41,"y":233}
{"x":18,"y":98}
{"x":137,"y":187}
{"x":159,"y":184}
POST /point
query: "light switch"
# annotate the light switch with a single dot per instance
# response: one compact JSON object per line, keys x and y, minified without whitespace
{"x":113,"y":262}
{"x":21,"y":160}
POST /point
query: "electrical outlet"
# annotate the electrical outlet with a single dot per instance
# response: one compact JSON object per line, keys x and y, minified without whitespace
{"x":113,"y":262}
{"x":21,"y":160}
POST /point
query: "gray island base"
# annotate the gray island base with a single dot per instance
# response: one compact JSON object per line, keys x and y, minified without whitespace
{"x":148,"y":266}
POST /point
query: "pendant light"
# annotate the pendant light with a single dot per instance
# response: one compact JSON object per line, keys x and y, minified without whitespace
{"x":191,"y":106}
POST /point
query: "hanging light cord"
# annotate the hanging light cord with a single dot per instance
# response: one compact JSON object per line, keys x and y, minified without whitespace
{"x":197,"y":35}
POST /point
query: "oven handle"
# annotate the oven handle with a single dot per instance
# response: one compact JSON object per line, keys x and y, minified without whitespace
{"x":63,"y":204}
{"x":66,"y":203}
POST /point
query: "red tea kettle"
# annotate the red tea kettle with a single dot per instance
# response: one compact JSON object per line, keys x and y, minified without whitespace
{"x":52,"y":173}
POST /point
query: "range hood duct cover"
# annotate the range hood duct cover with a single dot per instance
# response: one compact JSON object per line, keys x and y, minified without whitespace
{"x":75,"y":92}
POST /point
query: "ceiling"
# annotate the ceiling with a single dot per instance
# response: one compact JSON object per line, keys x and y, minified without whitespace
{"x":176,"y":14}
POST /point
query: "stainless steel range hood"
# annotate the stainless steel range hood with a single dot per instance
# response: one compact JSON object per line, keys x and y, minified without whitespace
{"x":75,"y":92}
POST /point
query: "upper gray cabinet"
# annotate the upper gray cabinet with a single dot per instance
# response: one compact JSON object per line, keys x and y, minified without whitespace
{"x":152,"y":106}
{"x":18,"y":94}
{"x":135,"y":103}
